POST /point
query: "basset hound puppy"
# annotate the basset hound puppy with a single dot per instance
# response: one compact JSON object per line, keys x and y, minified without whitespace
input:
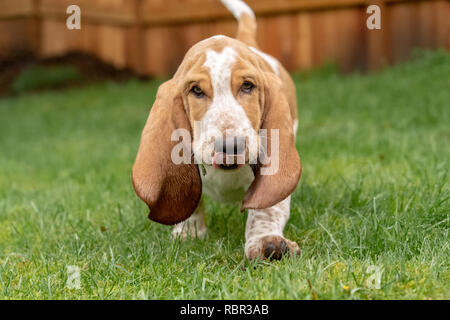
{"x":236,"y":109}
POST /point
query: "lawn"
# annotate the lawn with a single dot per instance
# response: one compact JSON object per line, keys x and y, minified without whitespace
{"x":371,"y":213}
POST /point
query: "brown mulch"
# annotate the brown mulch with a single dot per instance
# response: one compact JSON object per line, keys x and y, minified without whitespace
{"x":90,"y":68}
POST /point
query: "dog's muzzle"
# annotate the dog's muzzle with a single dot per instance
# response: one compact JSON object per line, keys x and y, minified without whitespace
{"x":229,"y":153}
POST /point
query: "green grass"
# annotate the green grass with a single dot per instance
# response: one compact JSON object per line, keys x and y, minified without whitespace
{"x":374,"y":192}
{"x":38,"y":77}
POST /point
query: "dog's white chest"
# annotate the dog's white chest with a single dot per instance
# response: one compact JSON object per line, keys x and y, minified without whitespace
{"x":226,"y":186}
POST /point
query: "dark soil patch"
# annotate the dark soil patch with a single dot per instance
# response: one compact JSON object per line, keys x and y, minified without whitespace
{"x":89,"y":67}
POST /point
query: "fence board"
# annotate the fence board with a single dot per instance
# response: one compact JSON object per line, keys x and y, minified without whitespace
{"x":163,"y":12}
{"x":10,"y":9}
{"x":304,"y":40}
{"x":16,"y":35}
{"x":152,"y":36}
{"x":119,"y":12}
{"x":403,"y":29}
{"x":378,"y":41}
{"x":442,"y":26}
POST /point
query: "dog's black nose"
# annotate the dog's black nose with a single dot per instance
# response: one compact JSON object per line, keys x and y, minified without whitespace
{"x":230,"y":145}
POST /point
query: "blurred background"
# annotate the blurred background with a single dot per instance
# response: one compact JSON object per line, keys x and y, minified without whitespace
{"x":150,"y":37}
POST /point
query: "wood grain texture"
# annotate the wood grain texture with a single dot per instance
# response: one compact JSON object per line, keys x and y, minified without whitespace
{"x":403,"y":25}
{"x":16,"y":35}
{"x":378,"y":47}
{"x":442,"y":24}
{"x":152,"y":36}
{"x":16,"y":8}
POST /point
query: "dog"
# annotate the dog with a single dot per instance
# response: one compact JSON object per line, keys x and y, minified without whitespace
{"x":230,"y":98}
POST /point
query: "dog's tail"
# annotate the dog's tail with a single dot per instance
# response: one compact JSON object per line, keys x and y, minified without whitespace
{"x":246,"y":18}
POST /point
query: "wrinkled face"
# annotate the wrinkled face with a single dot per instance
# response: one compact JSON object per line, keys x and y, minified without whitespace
{"x":223,"y":98}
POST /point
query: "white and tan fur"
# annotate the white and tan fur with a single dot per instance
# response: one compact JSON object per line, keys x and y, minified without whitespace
{"x":219,"y":66}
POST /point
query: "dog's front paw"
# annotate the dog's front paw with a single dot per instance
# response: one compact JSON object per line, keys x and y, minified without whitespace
{"x":189,"y":231}
{"x":271,"y":247}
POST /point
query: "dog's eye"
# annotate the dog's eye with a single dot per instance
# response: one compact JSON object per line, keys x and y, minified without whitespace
{"x":247,"y":87}
{"x":197,"y":92}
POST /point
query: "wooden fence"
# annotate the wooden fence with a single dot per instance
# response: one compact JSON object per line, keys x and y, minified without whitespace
{"x":152,"y":36}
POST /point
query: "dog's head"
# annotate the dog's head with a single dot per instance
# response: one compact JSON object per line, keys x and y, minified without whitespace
{"x":222,"y":95}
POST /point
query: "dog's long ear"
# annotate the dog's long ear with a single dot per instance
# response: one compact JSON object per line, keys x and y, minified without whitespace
{"x":171,"y":191}
{"x":269,"y":189}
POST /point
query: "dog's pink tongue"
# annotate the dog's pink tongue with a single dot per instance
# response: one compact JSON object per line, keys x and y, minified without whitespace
{"x":218,"y":159}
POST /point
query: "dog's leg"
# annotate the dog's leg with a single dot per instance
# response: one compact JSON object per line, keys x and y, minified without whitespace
{"x":192,"y":227}
{"x":264,"y":232}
